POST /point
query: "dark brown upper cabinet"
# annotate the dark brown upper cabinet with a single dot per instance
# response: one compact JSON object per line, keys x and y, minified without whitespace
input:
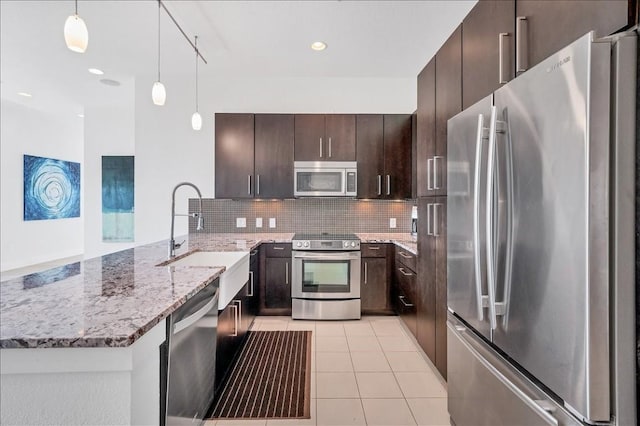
{"x":448,"y":104}
{"x":234,"y":136}
{"x":254,"y":155}
{"x":384,"y":155}
{"x":330,"y":137}
{"x":544,"y":27}
{"x":426,"y":128}
{"x":274,"y":155}
{"x":488,"y":49}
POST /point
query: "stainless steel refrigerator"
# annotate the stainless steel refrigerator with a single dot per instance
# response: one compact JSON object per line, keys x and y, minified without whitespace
{"x":540,"y":251}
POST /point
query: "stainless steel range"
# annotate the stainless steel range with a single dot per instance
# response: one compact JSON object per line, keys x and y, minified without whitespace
{"x":325,"y":277}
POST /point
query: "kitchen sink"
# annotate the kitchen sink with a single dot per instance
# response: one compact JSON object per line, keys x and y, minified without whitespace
{"x":232,"y":279}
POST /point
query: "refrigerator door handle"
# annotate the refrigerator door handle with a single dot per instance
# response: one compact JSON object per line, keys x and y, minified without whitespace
{"x":502,"y":127}
{"x":491,"y":170}
{"x":482,"y":301}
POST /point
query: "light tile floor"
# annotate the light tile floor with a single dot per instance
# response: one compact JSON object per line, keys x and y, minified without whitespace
{"x":367,"y":372}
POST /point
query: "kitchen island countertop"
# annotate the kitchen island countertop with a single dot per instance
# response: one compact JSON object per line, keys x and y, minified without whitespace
{"x":112,"y":300}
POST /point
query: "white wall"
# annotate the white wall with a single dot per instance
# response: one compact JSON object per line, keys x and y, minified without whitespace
{"x":168,"y":151}
{"x":109,"y":130}
{"x":28,"y":131}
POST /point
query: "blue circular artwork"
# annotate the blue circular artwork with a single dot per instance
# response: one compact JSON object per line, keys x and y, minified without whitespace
{"x":51,"y":188}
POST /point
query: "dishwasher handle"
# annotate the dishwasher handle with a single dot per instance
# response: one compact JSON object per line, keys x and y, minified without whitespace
{"x":193,"y":318}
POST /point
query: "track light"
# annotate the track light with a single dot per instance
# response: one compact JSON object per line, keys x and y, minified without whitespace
{"x":75,"y":33}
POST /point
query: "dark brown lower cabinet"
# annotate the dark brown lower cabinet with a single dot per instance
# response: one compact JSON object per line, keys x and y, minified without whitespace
{"x":405,"y":291}
{"x":375,"y":278}
{"x":275,"y":279}
{"x":233,"y":323}
{"x":432,"y":284}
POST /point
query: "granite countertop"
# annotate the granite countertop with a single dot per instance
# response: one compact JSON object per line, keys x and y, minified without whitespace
{"x":111,"y":301}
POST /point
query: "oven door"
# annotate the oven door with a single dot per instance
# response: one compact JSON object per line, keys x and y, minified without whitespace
{"x":325,"y":275}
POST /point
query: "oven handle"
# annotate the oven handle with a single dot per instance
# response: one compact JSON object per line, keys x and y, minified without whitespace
{"x":349,"y":255}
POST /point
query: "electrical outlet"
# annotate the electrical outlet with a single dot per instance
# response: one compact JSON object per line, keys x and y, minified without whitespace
{"x":392,"y":222}
{"x":272,"y":222}
{"x":258,"y":222}
{"x":241,"y":222}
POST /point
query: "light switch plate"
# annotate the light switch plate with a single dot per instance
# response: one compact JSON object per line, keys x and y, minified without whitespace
{"x":241,"y":222}
{"x":392,"y":222}
{"x":272,"y":222}
{"x":258,"y":222}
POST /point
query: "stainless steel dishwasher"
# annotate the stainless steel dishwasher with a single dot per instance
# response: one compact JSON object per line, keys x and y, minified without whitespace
{"x":191,"y":362}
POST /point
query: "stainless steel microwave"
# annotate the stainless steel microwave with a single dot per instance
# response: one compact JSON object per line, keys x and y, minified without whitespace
{"x":325,"y":178}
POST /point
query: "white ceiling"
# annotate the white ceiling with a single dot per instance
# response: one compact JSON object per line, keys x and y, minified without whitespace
{"x":374,"y":39}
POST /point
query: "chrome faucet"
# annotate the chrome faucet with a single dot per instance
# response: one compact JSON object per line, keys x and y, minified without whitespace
{"x":200,"y":226}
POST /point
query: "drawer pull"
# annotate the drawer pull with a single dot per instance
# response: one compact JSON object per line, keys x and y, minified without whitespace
{"x":406,"y":256}
{"x":408,"y":274}
{"x":374,"y":248}
{"x":278,"y":248}
{"x":406,"y":305}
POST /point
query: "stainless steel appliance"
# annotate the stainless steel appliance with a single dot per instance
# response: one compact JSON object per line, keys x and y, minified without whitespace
{"x":540,"y":252}
{"x":191,"y":334}
{"x":325,"y":178}
{"x":325,"y":281}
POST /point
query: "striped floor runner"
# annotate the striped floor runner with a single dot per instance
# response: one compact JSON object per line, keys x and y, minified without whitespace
{"x":271,"y":378}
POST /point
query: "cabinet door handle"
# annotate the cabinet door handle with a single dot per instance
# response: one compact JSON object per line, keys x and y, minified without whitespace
{"x":249,"y":184}
{"x":436,"y":231}
{"x":388,"y":185}
{"x":250,"y":292}
{"x":329,"y":147}
{"x":429,"y":185}
{"x":406,"y":256}
{"x":320,"y":147}
{"x":429,"y":231}
{"x":374,"y":248}
{"x":522,"y":48}
{"x":278,"y":248}
{"x":366,"y":270}
{"x":379,"y":184}
{"x":405,"y":273}
{"x":501,"y":59}
{"x":257,"y":184}
{"x":436,"y":185}
{"x":286,"y":272}
{"x":253,"y":253}
{"x":235,"y":318}
{"x":406,"y":305}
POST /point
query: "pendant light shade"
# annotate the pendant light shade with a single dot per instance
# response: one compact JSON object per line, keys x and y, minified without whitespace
{"x":158,"y":93}
{"x":196,"y":118}
{"x":196,"y":121}
{"x":75,"y":33}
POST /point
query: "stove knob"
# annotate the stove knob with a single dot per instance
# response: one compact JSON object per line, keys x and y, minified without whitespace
{"x":298,"y":244}
{"x":306,"y":243}
{"x":353,"y":243}
{"x":346,"y":244}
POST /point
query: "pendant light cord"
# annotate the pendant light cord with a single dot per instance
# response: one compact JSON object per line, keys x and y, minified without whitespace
{"x":158,"y":40}
{"x":196,"y":49}
{"x":76,"y":7}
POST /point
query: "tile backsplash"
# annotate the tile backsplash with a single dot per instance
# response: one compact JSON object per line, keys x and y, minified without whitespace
{"x":333,"y":215}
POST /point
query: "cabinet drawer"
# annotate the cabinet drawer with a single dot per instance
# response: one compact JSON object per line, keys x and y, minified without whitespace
{"x":373,"y":250}
{"x":404,"y":297}
{"x":277,"y":250}
{"x":405,"y":258}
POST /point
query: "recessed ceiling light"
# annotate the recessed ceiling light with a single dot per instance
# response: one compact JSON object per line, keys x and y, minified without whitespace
{"x":25,"y":94}
{"x":96,"y":71}
{"x":81,"y":115}
{"x":318,"y":45}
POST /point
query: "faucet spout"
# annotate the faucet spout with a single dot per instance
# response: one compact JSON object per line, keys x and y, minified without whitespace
{"x":200,"y":224}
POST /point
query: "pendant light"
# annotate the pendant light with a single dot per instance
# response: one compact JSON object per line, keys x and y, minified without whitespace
{"x":75,"y":33}
{"x":158,"y":92}
{"x":196,"y":118}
